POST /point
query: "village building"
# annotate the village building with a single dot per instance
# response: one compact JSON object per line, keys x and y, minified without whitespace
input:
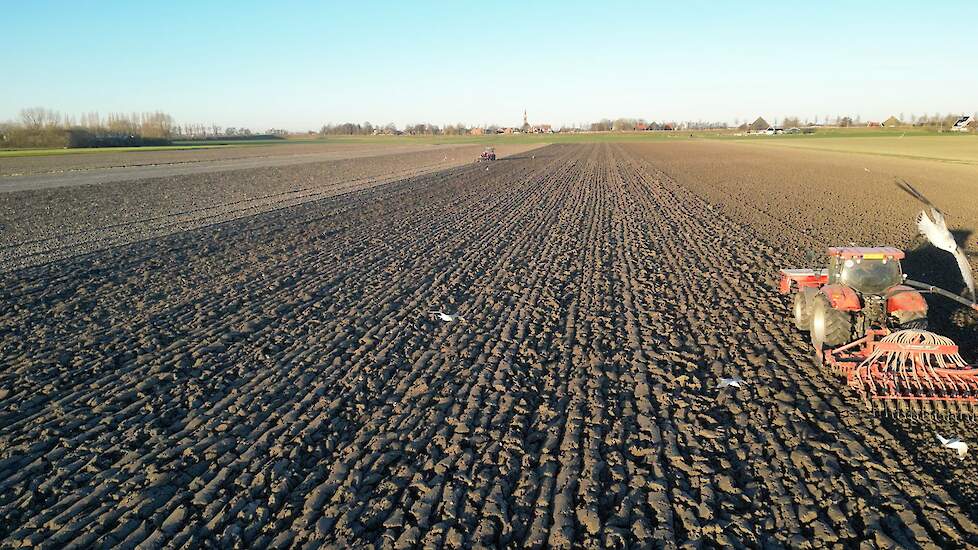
{"x":759,"y":125}
{"x":891,"y":122}
{"x":965,"y":123}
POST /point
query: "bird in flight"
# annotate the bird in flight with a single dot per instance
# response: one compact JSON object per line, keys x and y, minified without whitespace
{"x":735,"y":381}
{"x":448,"y":318}
{"x":954,"y":443}
{"x":938,"y":235}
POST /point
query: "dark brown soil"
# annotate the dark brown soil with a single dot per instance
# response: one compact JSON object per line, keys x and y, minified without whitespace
{"x":40,"y":225}
{"x":277,"y":380}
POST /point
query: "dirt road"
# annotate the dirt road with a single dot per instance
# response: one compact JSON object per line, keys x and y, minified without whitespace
{"x":32,"y":173}
{"x":278,"y":380}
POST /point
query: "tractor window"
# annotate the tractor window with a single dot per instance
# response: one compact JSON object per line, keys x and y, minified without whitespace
{"x":834,"y":268}
{"x":870,"y":276}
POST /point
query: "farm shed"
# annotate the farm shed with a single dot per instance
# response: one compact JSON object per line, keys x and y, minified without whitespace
{"x":759,"y":125}
{"x":891,"y":122}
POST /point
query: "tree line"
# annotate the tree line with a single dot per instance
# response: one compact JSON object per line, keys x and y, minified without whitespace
{"x":936,"y":120}
{"x":427,"y":129}
{"x":418,"y":129}
{"x":42,"y":127}
{"x":640,"y":124}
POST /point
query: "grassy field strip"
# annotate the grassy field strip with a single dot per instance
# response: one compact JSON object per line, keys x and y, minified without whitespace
{"x":83,"y":151}
{"x":958,"y":149}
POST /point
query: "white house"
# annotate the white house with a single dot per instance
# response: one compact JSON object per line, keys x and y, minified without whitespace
{"x":965,"y":123}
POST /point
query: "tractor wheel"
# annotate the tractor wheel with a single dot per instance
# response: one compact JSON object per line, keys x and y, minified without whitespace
{"x":911,"y":320}
{"x":830,"y":327}
{"x":919,"y":323}
{"x":802,"y":309}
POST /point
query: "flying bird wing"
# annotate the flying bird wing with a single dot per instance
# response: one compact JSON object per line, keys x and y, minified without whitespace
{"x":960,"y":446}
{"x":912,"y":191}
{"x":942,"y":439}
{"x":936,"y":232}
{"x":727,"y":382}
{"x":965,"y":266}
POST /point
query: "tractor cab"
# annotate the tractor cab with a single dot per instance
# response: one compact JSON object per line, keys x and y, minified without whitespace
{"x":868,"y":271}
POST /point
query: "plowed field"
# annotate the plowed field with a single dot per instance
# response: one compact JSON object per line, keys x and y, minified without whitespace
{"x":277,"y":380}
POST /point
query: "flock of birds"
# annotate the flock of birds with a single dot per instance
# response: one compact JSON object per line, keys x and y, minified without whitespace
{"x":936,"y":232}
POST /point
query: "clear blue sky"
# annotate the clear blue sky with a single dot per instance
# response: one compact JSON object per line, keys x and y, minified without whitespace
{"x":300,"y":64}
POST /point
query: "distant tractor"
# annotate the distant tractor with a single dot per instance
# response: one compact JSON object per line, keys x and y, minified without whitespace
{"x":488,"y":155}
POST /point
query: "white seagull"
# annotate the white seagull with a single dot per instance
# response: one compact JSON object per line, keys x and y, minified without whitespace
{"x":736,"y":382}
{"x":954,"y":443}
{"x":448,"y":318}
{"x":938,"y":235}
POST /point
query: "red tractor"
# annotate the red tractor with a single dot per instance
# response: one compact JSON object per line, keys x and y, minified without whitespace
{"x":488,"y":155}
{"x":868,"y":323}
{"x":861,"y":289}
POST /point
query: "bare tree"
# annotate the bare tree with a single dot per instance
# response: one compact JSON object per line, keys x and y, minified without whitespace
{"x":36,"y":118}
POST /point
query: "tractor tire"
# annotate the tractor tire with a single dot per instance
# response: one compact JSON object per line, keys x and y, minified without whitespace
{"x":830,"y":327}
{"x":919,"y":323}
{"x":909,"y":320}
{"x":802,"y":309}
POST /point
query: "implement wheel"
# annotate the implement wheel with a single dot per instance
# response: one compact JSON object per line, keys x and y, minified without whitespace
{"x":802,"y":309}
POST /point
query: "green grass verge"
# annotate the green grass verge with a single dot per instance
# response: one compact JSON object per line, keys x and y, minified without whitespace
{"x":962,"y":148}
{"x":93,"y":150}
